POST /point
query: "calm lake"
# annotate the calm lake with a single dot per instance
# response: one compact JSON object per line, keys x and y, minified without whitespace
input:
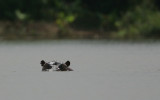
{"x":103,"y":70}
{"x":84,"y":55}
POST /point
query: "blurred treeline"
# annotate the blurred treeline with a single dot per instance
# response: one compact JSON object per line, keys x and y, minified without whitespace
{"x":115,"y":19}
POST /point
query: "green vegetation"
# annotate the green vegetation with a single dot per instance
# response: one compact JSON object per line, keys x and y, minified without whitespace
{"x":51,"y":19}
{"x":140,"y":22}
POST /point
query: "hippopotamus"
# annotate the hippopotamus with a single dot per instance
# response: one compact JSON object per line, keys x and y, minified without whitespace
{"x":46,"y":66}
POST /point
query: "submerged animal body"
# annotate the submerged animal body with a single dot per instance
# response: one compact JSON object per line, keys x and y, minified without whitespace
{"x":59,"y":66}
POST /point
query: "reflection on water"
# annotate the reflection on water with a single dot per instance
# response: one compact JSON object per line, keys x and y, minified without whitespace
{"x":84,"y":55}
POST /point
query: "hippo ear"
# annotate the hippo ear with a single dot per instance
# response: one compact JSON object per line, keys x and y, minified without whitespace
{"x":67,"y":63}
{"x":42,"y":62}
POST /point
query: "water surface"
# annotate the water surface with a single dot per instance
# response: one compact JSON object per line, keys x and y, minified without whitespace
{"x":84,"y":55}
{"x":103,"y":70}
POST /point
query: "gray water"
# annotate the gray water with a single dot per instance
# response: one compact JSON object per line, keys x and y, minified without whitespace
{"x":103,"y":70}
{"x":84,"y":55}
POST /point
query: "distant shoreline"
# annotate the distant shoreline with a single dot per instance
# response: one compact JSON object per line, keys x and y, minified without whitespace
{"x":42,"y":30}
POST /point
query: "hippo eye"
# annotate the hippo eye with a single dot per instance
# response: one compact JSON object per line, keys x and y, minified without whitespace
{"x":56,"y":63}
